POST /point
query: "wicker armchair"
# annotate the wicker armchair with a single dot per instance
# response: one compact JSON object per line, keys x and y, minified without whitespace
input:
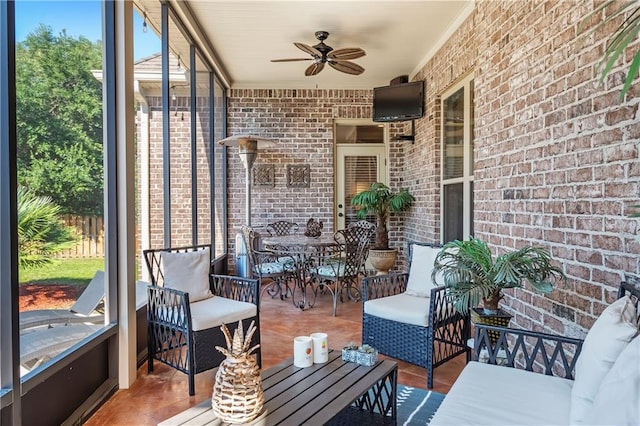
{"x":183,"y":333}
{"x":406,"y":317}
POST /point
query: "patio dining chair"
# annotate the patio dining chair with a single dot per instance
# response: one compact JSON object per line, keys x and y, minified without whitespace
{"x":366,"y":230}
{"x":338,"y":273}
{"x":187,"y":305}
{"x":266,"y":265}
{"x":282,"y":227}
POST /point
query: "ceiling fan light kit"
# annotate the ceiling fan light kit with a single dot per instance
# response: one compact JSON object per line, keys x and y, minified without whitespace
{"x":321,"y":54}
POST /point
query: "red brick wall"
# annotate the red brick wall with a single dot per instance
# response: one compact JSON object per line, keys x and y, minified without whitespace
{"x":556,"y":155}
{"x":302,"y":123}
{"x":180,"y":177}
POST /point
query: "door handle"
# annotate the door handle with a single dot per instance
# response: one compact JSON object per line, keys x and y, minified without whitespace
{"x":340,"y":214}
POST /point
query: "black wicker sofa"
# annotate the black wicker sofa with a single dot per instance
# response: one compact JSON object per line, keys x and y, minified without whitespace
{"x":553,"y":379}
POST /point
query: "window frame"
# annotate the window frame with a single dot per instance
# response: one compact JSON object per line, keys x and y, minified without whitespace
{"x":467,"y":178}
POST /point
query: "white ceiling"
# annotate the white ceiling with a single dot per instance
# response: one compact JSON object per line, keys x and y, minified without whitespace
{"x":398,"y":37}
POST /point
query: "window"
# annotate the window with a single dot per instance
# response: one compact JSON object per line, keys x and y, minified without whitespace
{"x":60,"y":173}
{"x":457,"y":161}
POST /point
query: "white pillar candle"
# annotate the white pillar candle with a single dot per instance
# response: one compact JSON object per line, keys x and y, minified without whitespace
{"x":320,"y":347}
{"x":303,"y":351}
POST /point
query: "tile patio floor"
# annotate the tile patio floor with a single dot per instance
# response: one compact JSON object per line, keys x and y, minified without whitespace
{"x":164,"y":393}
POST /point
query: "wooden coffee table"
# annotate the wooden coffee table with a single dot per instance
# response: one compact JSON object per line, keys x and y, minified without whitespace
{"x":335,"y":392}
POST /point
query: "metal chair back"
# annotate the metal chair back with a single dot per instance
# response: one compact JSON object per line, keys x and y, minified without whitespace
{"x":282,"y":227}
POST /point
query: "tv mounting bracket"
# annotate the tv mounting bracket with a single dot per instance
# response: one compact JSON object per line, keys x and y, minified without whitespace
{"x":411,"y":137}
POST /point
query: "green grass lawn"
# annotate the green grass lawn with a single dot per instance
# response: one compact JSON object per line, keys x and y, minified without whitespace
{"x":63,"y":271}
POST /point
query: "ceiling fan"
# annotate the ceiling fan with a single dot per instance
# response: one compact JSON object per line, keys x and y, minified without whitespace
{"x":321,"y":54}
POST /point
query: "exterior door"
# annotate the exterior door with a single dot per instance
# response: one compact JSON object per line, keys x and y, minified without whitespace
{"x":361,"y":158}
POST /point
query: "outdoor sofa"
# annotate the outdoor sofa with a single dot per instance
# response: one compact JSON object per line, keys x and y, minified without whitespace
{"x":553,"y":380}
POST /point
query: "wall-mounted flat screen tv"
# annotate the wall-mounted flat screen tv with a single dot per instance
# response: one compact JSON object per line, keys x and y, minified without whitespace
{"x":399,"y":102}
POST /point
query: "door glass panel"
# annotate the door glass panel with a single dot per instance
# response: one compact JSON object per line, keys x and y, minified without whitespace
{"x":454,"y":135}
{"x":359,"y":173}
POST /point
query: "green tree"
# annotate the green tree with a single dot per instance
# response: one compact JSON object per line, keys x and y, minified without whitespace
{"x":41,"y":233}
{"x":59,"y":111}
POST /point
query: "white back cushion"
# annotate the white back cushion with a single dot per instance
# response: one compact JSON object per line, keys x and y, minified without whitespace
{"x":618,"y":399}
{"x":610,"y":334}
{"x":419,"y":283}
{"x":188,"y":272}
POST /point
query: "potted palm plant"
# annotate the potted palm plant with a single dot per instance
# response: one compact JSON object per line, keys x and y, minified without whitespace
{"x":471,"y":275}
{"x":380,"y":201}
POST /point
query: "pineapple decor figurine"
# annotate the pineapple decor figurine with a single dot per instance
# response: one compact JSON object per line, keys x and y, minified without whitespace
{"x":237,"y":391}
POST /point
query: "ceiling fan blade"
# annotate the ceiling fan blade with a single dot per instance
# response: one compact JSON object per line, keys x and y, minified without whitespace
{"x":347,"y":67}
{"x":291,"y":60}
{"x":314,"y":69}
{"x":308,"y":49}
{"x":346,"y":53}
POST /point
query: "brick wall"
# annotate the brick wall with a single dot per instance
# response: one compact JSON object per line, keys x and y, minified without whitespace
{"x":302,"y":123}
{"x":556,"y":155}
{"x":180,"y":176}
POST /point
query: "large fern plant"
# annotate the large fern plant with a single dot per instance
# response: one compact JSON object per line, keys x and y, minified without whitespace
{"x":471,"y":275}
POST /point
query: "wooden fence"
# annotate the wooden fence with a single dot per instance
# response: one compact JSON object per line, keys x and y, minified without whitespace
{"x":90,"y":231}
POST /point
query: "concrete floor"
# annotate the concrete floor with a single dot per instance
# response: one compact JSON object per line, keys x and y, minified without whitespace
{"x":164,"y":393}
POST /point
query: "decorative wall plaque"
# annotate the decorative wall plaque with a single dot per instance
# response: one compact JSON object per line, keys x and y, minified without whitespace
{"x":264,"y":175}
{"x":298,"y":175}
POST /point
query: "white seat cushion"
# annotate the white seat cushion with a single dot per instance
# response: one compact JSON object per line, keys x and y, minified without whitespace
{"x":486,"y":394}
{"x":618,"y":399}
{"x":214,"y":311}
{"x":401,"y":307}
{"x":419,"y":282}
{"x":188,"y":272}
{"x":610,"y":334}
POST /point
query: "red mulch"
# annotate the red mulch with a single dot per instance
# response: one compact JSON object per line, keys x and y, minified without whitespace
{"x":48,"y":296}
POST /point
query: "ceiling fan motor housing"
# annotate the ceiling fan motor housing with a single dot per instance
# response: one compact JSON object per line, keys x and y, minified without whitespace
{"x":321,"y":47}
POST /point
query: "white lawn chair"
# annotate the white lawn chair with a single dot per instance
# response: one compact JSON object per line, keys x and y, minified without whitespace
{"x":82,"y":311}
{"x":39,"y":345}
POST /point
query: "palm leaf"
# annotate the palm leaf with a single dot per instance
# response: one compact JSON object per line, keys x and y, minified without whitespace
{"x":624,"y":34}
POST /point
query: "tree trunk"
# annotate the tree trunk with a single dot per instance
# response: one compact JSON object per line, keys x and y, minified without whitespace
{"x":491,"y":303}
{"x":382,"y":236}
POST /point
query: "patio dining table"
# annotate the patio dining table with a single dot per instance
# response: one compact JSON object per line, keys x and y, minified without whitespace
{"x":304,"y":252}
